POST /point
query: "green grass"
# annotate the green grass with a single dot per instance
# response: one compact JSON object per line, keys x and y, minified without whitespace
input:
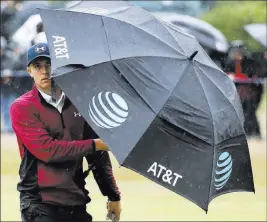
{"x":262,"y":107}
{"x":144,"y":200}
{"x":147,"y":201}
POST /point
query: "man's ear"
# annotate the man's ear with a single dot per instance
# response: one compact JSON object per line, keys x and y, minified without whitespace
{"x":29,"y":71}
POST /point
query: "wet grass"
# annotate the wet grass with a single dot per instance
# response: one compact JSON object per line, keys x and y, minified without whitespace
{"x":262,"y":107}
{"x":144,"y":200}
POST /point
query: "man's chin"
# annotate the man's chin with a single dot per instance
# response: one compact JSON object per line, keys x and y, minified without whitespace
{"x":46,"y":84}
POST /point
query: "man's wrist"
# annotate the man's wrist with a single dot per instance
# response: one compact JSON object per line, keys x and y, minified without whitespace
{"x":93,"y":146}
{"x":114,"y":198}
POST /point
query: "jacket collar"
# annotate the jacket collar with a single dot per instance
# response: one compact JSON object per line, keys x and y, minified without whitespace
{"x":37,"y":94}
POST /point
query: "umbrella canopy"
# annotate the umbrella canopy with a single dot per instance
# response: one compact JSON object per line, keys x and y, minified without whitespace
{"x":28,"y":9}
{"x":207,"y":35}
{"x":153,"y":95}
{"x":258,"y":32}
{"x":26,"y":33}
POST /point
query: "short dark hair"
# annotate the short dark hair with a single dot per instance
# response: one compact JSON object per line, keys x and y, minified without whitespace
{"x":39,"y":59}
{"x":40,"y":27}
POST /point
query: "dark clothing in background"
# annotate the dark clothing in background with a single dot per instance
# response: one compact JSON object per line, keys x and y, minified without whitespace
{"x":250,"y":96}
{"x":261,"y":69}
{"x":250,"y":106}
{"x":248,"y":66}
{"x":7,"y":16}
{"x":8,"y":60}
{"x":250,"y":93}
{"x":21,"y":62}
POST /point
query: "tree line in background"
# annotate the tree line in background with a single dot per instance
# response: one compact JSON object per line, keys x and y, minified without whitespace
{"x":230,"y":17}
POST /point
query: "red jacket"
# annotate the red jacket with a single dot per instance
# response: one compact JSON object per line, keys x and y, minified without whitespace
{"x":52,"y":146}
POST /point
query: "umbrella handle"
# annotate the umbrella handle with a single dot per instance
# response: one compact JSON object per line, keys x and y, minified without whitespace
{"x":112,"y":217}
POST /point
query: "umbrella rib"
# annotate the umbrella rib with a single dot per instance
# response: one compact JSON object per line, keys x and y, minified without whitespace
{"x":106,"y":36}
{"x":207,"y":56}
{"x":198,"y":62}
{"x":132,"y":87}
{"x":175,"y":28}
{"x":116,"y":19}
{"x":212,"y":168}
{"x":192,"y":133}
{"x":145,"y":101}
{"x":165,"y":43}
{"x":198,"y":148}
{"x":219,"y":88}
{"x":205,"y":97}
{"x":67,"y":72}
{"x":172,"y":93}
{"x":170,"y":25}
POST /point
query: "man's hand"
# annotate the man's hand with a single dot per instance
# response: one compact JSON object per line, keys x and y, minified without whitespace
{"x":114,"y":210}
{"x":100,"y":145}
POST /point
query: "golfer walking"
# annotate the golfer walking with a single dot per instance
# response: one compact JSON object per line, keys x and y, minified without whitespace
{"x":53,"y":138}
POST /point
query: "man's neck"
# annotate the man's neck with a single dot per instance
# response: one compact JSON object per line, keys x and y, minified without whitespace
{"x":48,"y":92}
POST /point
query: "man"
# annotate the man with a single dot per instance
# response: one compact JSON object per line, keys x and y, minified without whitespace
{"x":53,"y":138}
{"x":239,"y":59}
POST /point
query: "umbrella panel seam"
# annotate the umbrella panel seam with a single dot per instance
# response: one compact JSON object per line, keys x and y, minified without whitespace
{"x":106,"y":37}
{"x":161,"y":21}
{"x":213,"y":145}
{"x":219,"y":89}
{"x":183,"y":57}
{"x":188,"y":66}
{"x":116,"y":19}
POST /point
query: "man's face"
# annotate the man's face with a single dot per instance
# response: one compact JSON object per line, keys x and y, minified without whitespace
{"x":40,"y":70}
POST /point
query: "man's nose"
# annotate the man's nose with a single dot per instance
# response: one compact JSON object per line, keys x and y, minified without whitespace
{"x":45,"y":70}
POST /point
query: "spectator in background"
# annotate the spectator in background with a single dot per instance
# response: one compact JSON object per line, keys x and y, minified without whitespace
{"x":8,"y":11}
{"x":25,"y":83}
{"x":8,"y":95}
{"x":39,"y":37}
{"x":261,"y":68}
{"x":240,"y":61}
{"x":7,"y":55}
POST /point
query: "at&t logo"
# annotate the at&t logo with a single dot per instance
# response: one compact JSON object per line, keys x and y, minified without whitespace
{"x":108,"y":110}
{"x":223,"y":170}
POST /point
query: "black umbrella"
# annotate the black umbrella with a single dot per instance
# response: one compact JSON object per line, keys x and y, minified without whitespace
{"x":28,"y":8}
{"x":207,"y":35}
{"x":258,"y":32}
{"x":153,"y":95}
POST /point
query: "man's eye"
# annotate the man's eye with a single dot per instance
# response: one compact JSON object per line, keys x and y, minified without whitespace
{"x":37,"y":66}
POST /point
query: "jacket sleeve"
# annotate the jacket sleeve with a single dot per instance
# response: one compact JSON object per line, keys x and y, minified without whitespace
{"x":31,"y":131}
{"x":103,"y":174}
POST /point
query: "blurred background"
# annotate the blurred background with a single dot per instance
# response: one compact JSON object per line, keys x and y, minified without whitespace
{"x":226,"y":30}
{"x":233,"y":33}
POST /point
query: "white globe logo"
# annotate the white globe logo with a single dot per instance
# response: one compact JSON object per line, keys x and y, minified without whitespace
{"x":223,"y":170}
{"x":108,"y":110}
